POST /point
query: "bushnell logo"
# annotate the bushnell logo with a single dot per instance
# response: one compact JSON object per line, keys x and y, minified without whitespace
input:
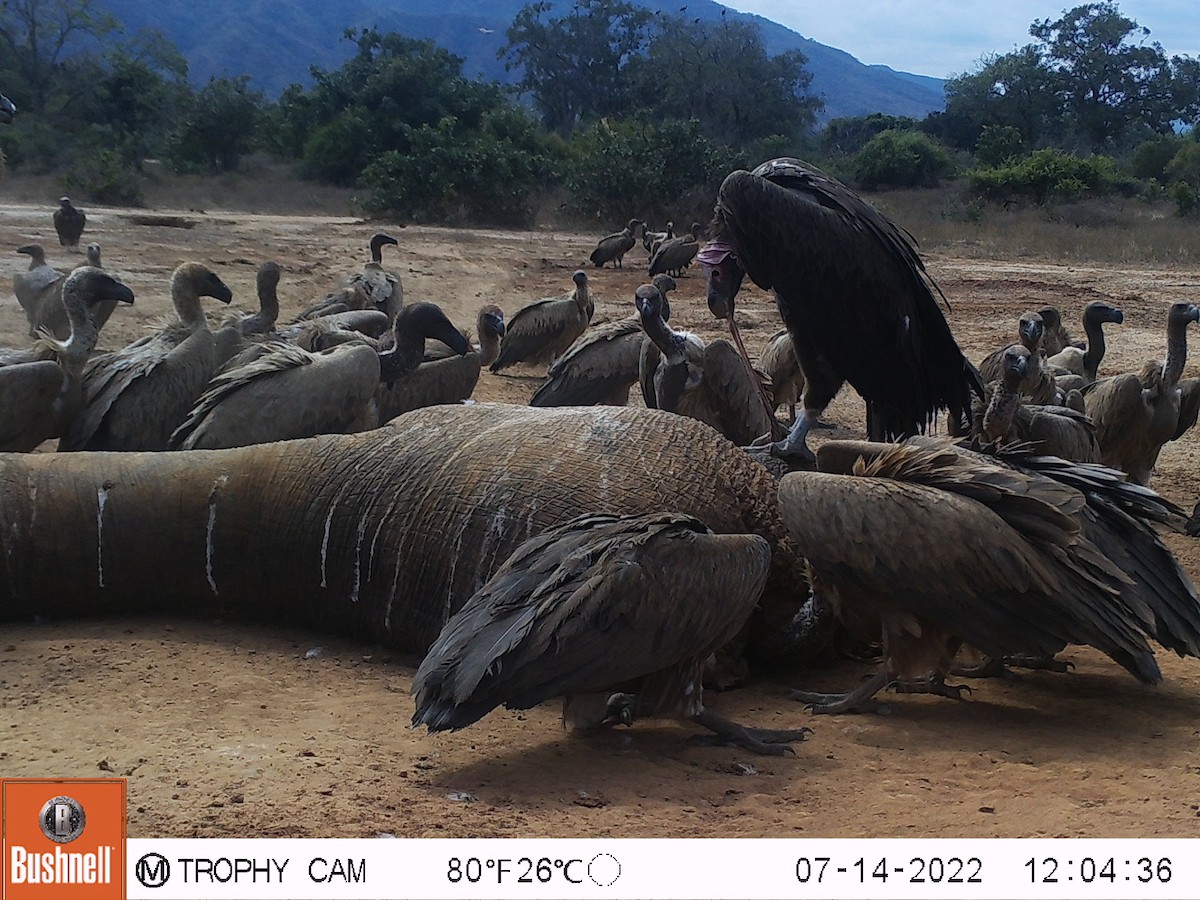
{"x":62,"y":819}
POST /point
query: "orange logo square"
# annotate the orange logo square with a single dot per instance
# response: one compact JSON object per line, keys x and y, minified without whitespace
{"x":62,"y":838}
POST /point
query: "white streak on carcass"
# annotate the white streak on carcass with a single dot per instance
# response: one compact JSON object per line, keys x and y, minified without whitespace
{"x":101,"y":500}
{"x":209,"y":531}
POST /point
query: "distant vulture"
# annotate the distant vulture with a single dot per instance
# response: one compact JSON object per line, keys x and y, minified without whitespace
{"x":544,"y":330}
{"x":613,"y":247}
{"x":676,"y":254}
{"x":1085,"y":360}
{"x":68,"y":222}
{"x":852,"y":291}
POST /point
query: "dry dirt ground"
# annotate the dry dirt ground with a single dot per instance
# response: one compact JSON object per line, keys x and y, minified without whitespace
{"x":228,"y":729}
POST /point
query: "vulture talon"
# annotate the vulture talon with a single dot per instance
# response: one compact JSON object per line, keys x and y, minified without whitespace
{"x":789,"y":453}
{"x":934,"y":686}
{"x":1043,"y":663}
{"x":727,"y":733}
{"x":858,"y":700}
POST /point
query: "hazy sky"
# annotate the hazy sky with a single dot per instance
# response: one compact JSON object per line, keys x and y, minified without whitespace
{"x":944,"y":37}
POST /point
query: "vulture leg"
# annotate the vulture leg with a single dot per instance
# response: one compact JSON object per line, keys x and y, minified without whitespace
{"x":934,"y":684}
{"x":821,"y":385}
{"x":1043,"y":663}
{"x":727,"y":733}
{"x":858,"y":700}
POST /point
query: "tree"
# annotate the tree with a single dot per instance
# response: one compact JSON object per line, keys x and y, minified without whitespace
{"x":850,"y":134}
{"x":1015,"y":90}
{"x":896,"y":159}
{"x":1110,"y":85}
{"x":719,"y":74}
{"x":40,"y":48}
{"x":574,"y":66}
{"x":219,"y":126}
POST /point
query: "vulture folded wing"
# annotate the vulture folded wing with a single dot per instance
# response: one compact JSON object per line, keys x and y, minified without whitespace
{"x":733,"y":393}
{"x":596,"y":366}
{"x":1189,"y":405}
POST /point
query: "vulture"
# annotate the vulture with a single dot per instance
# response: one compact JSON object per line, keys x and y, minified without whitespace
{"x":543,"y":330}
{"x":1136,"y":414}
{"x":38,"y":289}
{"x":446,"y":372}
{"x":613,"y":247}
{"x":680,"y":374}
{"x":1050,"y":430}
{"x":266,"y":282}
{"x":1085,"y":361}
{"x":1013,"y":555}
{"x":351,"y":297}
{"x":1054,"y":333}
{"x":782,"y":367}
{"x":40,"y":397}
{"x":602,"y":365}
{"x":8,"y":110}
{"x":373,"y":288}
{"x":616,"y":614}
{"x":852,"y":292}
{"x":137,"y":396}
{"x":652,"y":240}
{"x":676,"y":254}
{"x":52,"y":314}
{"x":68,"y":222}
{"x":281,"y":392}
{"x":1039,"y":385}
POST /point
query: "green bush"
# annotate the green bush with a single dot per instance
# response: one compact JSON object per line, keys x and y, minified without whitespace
{"x":1151,"y":158}
{"x":1052,"y":175}
{"x":898,"y":159}
{"x":633,"y":168}
{"x":1185,"y":197}
{"x":999,"y":145}
{"x":456,"y":176}
{"x":1185,"y":165}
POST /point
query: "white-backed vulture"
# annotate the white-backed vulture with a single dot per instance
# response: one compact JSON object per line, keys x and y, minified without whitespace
{"x":652,"y":240}
{"x":1013,"y":555}
{"x":38,"y":289}
{"x":1053,"y":430}
{"x":680,"y":374}
{"x":69,"y":223}
{"x":779,"y":361}
{"x":93,"y":255}
{"x":852,"y":291}
{"x":544,"y":330}
{"x":445,"y":373}
{"x":676,"y":254}
{"x":266,"y":283}
{"x":1085,"y":361}
{"x":1136,"y":414}
{"x":280,"y":392}
{"x":612,"y":248}
{"x":348,"y":297}
{"x":603,"y":364}
{"x":138,"y":395}
{"x":382,"y":286}
{"x":616,"y":614}
{"x":52,"y":313}
{"x":39,"y":398}
{"x":1039,"y":386}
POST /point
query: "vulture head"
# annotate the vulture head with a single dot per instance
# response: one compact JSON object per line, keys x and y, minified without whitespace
{"x":83,"y":289}
{"x":1182,"y":313}
{"x":8,"y":109}
{"x":1099,"y":311}
{"x":428,"y":320}
{"x":1051,"y":318}
{"x":377,"y":243}
{"x":491,"y":320}
{"x":665,"y":283}
{"x":1014,"y":365}
{"x":93,"y":256}
{"x":1031,"y":329}
{"x":34,"y":250}
{"x":580,"y":278}
{"x":202,"y":281}
{"x":723,"y":276}
{"x":648,"y":300}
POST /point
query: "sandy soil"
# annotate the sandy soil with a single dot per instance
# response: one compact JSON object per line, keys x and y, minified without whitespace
{"x":228,"y":729}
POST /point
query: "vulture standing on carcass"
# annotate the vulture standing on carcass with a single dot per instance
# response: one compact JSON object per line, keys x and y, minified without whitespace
{"x":1051,"y":430}
{"x":138,"y":395}
{"x":676,"y":254}
{"x":602,"y":365}
{"x":613,"y":247}
{"x":680,"y":374}
{"x":40,"y":397}
{"x":852,"y":291}
{"x":1136,"y":414}
{"x":542,"y":331}
{"x":38,"y":289}
{"x":616,"y":614}
{"x":1013,"y":555}
{"x":1039,"y":385}
{"x":1085,"y":361}
{"x":69,"y":223}
{"x":283,"y":392}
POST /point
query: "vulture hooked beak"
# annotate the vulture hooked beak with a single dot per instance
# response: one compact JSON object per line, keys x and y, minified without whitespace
{"x":1019,"y":363}
{"x":723,"y":276}
{"x":496,"y":324}
{"x":1032,"y":330}
{"x":1115,"y":315}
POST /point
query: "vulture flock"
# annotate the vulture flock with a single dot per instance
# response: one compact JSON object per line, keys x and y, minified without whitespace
{"x":998,"y":508}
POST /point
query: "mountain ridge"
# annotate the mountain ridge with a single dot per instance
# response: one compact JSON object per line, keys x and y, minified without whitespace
{"x":253,"y":37}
